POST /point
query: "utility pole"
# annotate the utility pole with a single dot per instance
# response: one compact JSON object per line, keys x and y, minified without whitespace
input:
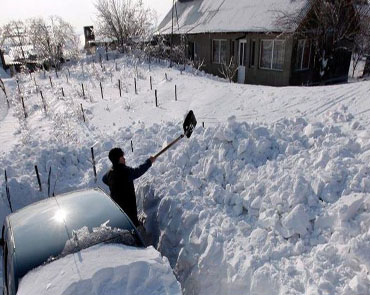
{"x":173,"y":7}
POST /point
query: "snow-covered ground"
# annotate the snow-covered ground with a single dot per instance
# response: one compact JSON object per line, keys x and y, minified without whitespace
{"x":271,"y":196}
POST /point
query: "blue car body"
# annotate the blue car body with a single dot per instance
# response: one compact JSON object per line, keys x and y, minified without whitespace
{"x":38,"y":232}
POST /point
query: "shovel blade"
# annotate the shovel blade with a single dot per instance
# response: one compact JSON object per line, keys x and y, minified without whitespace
{"x":189,"y":124}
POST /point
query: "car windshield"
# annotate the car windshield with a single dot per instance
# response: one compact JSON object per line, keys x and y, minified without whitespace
{"x":83,"y":238}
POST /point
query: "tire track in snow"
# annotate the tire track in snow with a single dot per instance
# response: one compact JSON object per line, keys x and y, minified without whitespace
{"x":334,"y":101}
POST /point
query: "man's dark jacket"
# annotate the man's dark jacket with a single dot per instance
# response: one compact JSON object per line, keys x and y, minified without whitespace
{"x":121,"y":185}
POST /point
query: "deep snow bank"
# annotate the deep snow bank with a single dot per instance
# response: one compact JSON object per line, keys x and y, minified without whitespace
{"x":284,"y":209}
{"x":238,"y":208}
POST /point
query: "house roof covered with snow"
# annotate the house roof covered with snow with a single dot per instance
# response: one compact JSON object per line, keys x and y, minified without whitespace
{"x":212,"y":16}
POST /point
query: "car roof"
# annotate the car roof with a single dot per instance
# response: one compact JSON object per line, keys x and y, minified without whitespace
{"x":41,"y":230}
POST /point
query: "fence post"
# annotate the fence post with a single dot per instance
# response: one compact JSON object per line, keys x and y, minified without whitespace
{"x":101,"y":91}
{"x":38,"y":178}
{"x":83,"y":90}
{"x":49,"y":181}
{"x":151,"y":84}
{"x":93,"y":162}
{"x":62,"y":91}
{"x":156,"y":98}
{"x":24,"y":107}
{"x":19,"y":89}
{"x":135,"y":85}
{"x":8,"y":192}
{"x":83,"y":113}
{"x":175,"y":93}
{"x":43,"y":101}
{"x":119,"y":87}
{"x":51,"y":83}
{"x":132,"y":147}
{"x":34,"y":80}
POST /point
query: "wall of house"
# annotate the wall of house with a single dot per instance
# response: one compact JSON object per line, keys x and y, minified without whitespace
{"x":254,"y":74}
{"x":257,"y":75}
{"x":203,"y":49}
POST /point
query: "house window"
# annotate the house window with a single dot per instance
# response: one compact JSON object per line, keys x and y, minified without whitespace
{"x":272,"y":54}
{"x":252,"y":54}
{"x":219,"y":51}
{"x":303,"y":54}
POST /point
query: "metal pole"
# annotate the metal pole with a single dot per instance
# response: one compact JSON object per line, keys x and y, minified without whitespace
{"x":83,"y":113}
{"x":38,"y":178}
{"x":93,"y":162}
{"x":8,"y":192}
{"x":49,"y":181}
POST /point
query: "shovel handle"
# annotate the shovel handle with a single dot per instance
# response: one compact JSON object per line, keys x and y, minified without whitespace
{"x":168,"y":146}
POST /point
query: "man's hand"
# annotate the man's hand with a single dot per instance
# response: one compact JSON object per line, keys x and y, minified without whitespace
{"x":152,"y":159}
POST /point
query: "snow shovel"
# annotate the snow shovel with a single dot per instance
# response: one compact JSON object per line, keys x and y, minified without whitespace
{"x":188,"y":126}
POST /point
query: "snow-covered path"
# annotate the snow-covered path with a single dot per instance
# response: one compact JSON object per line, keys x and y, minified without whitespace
{"x":270,"y":197}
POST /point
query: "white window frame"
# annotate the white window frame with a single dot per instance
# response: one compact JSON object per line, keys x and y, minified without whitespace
{"x":242,"y":58}
{"x":301,"y":68}
{"x":272,"y":54}
{"x":219,"y":61}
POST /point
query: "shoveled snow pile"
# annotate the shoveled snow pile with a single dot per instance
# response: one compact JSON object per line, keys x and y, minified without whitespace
{"x":248,"y":209}
{"x":104,"y":269}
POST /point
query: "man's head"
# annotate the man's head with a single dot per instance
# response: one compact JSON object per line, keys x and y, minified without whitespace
{"x":116,"y":156}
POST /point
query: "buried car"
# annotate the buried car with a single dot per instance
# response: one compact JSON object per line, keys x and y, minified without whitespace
{"x":44,"y":233}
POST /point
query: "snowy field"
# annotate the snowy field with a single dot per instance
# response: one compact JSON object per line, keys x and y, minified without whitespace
{"x":270,"y":197}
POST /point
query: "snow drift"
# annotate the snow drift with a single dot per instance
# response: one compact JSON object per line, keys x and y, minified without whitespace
{"x":248,"y":209}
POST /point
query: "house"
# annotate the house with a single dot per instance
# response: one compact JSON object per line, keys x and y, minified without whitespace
{"x":248,"y":31}
{"x":94,"y":42}
{"x":14,"y":57}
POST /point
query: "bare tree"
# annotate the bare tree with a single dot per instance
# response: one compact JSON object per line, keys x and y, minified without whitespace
{"x":362,"y":39}
{"x":197,"y":65}
{"x":2,"y":36}
{"x":15,"y":33}
{"x":229,"y":70}
{"x":52,"y":38}
{"x":332,"y":25}
{"x":125,"y":21}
